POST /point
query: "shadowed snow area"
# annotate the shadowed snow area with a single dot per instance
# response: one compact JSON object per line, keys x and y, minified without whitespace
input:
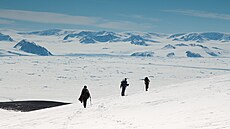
{"x":26,"y":106}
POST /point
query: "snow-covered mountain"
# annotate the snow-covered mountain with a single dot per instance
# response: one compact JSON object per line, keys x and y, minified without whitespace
{"x":169,"y":46}
{"x":88,"y":37}
{"x":201,"y":37}
{"x":70,"y":42}
{"x":137,"y":40}
{"x":31,"y":47}
{"x":5,"y":38}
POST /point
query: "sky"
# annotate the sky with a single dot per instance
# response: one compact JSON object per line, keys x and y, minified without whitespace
{"x":163,"y":16}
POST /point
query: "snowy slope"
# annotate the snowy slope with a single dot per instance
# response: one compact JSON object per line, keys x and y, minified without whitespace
{"x":196,"y":104}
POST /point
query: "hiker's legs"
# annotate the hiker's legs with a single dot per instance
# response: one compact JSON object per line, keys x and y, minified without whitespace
{"x":84,"y":102}
{"x":146,"y":86}
{"x":123,"y":91}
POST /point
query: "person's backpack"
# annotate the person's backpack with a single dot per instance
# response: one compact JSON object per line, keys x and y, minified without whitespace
{"x":124,"y":83}
{"x":87,"y":94}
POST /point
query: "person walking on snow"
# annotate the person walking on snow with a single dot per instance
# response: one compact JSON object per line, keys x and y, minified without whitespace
{"x":84,"y":96}
{"x":123,"y":86}
{"x":146,"y":80}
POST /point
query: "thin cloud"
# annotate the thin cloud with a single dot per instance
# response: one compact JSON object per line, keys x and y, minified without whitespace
{"x":124,"y":25}
{"x":47,"y":17}
{"x":140,"y":17}
{"x":57,"y":18}
{"x":145,"y":18}
{"x":202,"y":14}
{"x":6,"y":21}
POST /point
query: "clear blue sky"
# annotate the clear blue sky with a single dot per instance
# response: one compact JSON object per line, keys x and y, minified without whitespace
{"x":166,"y":16}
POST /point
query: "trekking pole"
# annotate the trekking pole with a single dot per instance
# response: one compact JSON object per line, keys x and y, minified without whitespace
{"x":143,"y":86}
{"x":91,"y":102}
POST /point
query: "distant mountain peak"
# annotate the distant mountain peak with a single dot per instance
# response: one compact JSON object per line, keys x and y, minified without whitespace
{"x":106,"y":36}
{"x":201,"y":36}
{"x":31,"y":47}
{"x":136,"y":39}
{"x":5,"y":38}
{"x":169,"y":46}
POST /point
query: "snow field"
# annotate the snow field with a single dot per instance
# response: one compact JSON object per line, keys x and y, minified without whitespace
{"x":184,"y":92}
{"x":196,"y":104}
{"x":61,"y":78}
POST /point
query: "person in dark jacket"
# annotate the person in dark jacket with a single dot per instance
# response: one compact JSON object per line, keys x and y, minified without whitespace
{"x":123,"y":86}
{"x":84,"y":96}
{"x":146,"y":80}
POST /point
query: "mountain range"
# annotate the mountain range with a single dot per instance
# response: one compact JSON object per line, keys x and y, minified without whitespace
{"x":70,"y":42}
{"x":106,"y":36}
{"x":88,"y":37}
{"x":201,"y":37}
